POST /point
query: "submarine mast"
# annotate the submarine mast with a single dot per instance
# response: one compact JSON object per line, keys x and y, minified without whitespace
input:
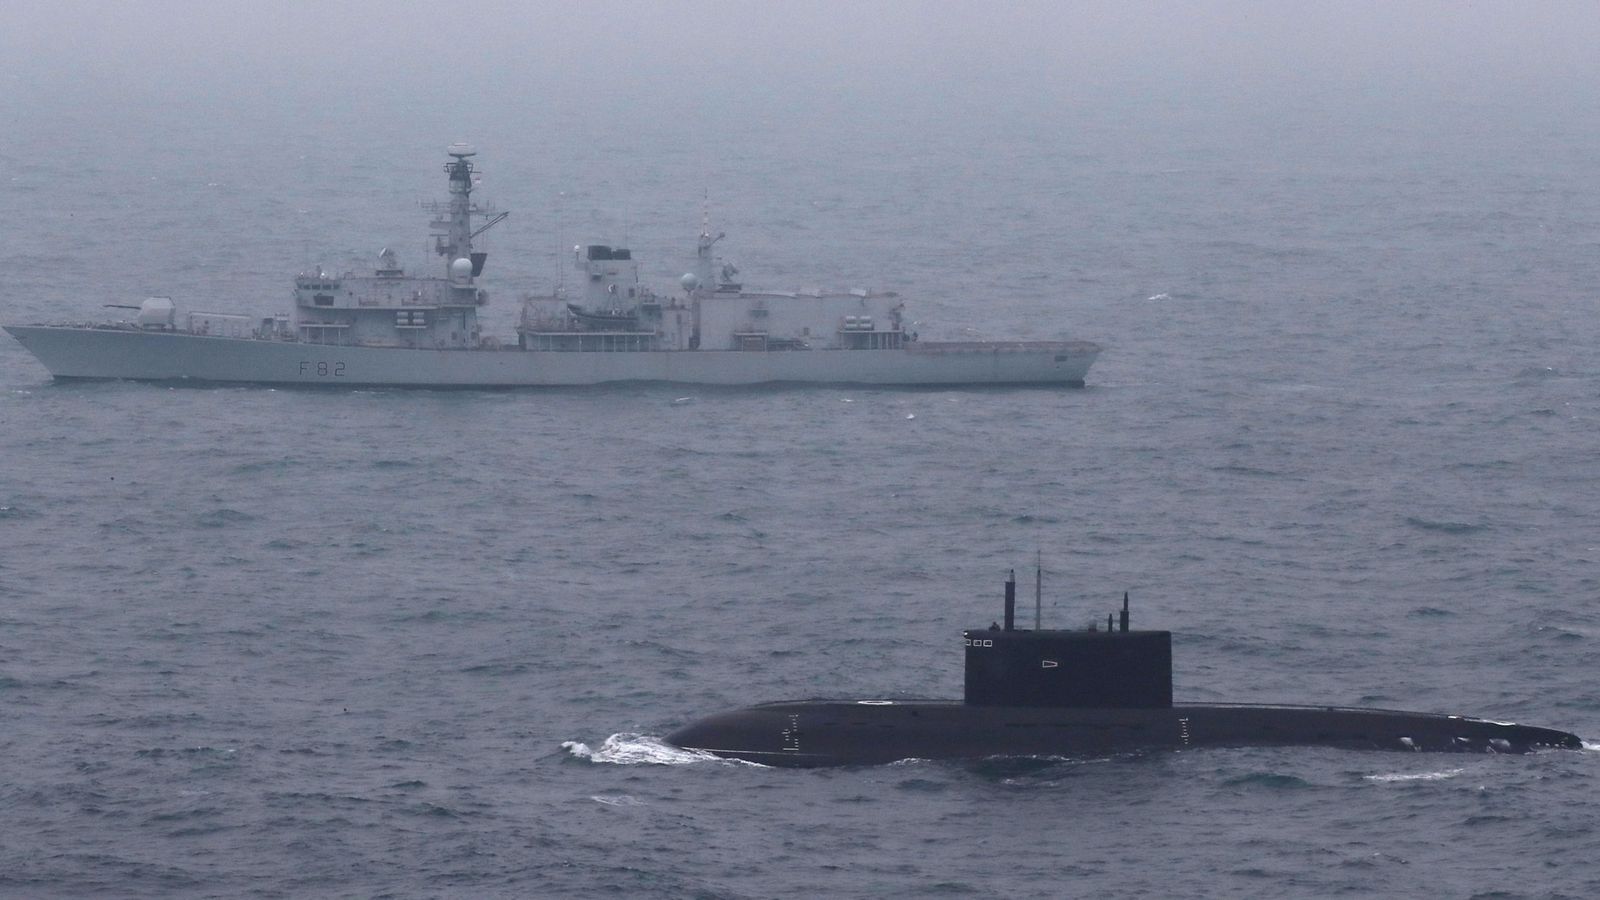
{"x":1038,"y":590}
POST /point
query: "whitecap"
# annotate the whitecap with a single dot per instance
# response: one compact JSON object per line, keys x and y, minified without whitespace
{"x":1392,"y":777}
{"x":617,"y":800}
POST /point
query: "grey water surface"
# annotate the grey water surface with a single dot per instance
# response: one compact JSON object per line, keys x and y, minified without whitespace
{"x":1342,"y":442}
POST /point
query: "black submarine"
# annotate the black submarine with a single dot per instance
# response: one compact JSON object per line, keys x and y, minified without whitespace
{"x":1072,"y":694}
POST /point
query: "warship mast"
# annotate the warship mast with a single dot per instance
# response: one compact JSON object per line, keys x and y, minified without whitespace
{"x":457,"y":242}
{"x":454,"y":232}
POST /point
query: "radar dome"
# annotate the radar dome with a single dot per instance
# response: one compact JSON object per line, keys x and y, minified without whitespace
{"x":461,"y":270}
{"x":689,"y":281}
{"x":461,"y":150}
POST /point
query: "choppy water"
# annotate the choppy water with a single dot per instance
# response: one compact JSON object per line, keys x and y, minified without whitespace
{"x":290,"y":643}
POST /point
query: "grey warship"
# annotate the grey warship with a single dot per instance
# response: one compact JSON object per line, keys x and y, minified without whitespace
{"x":387,"y":326}
{"x":1057,"y":693}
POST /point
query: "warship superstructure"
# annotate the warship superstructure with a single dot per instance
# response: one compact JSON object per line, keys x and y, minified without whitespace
{"x":1047,"y":692}
{"x":390,"y":327}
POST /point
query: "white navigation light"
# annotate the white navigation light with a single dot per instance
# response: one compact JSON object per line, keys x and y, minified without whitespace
{"x":461,"y":270}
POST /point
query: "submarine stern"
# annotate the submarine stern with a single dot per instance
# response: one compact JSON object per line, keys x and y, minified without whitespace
{"x":1267,"y":725}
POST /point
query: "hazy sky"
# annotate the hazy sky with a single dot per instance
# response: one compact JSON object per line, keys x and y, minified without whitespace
{"x":74,"y":45}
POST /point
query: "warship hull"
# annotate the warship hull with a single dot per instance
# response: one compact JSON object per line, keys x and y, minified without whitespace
{"x":856,"y":732}
{"x":109,"y":352}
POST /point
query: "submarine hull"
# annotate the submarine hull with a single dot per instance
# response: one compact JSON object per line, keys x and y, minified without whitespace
{"x":868,"y":732}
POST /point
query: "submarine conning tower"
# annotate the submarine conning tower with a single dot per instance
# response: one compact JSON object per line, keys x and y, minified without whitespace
{"x":1115,"y":668}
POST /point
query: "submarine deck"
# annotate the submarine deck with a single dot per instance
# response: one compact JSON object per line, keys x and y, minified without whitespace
{"x":846,"y":732}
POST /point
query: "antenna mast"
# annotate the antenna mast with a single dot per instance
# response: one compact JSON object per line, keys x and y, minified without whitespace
{"x":1038,"y":591}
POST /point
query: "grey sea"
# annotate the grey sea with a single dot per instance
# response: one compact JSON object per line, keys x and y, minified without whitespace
{"x":409,"y":643}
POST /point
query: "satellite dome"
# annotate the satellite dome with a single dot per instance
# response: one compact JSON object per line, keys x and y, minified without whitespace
{"x":461,"y":150}
{"x":690,"y":281}
{"x":461,"y":270}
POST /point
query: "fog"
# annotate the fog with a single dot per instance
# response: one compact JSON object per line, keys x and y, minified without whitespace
{"x":650,"y":106}
{"x":435,"y":51}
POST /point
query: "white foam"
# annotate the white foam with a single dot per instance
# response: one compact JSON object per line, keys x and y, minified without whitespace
{"x":636,"y":749}
{"x":1415,"y":776}
{"x":1591,"y":745}
{"x":617,"y":800}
